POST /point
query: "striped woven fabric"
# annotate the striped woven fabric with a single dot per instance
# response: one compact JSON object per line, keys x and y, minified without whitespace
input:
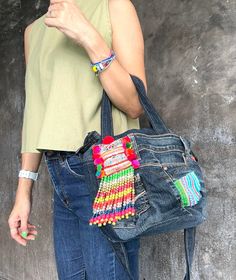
{"x":189,"y":189}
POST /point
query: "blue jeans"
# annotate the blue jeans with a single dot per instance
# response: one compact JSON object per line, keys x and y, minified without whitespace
{"x":82,"y":251}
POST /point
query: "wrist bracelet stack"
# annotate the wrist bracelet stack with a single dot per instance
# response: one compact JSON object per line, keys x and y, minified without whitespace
{"x":28,"y":174}
{"x":100,"y":66}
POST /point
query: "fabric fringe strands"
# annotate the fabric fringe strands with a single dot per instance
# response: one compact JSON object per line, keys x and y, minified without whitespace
{"x":115,"y":161}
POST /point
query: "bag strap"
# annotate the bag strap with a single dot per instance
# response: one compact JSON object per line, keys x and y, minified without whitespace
{"x":189,"y":243}
{"x":154,"y":118}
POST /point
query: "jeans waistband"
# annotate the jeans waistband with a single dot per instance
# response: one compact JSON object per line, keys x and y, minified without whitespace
{"x":54,"y":154}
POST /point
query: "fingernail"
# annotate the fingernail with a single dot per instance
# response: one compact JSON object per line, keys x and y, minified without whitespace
{"x":24,"y":234}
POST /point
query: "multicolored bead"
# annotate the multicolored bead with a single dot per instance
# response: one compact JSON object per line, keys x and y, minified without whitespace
{"x":115,"y":161}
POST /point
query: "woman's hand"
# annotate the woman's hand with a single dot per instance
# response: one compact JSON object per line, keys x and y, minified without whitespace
{"x":20,"y":228}
{"x":67,"y":17}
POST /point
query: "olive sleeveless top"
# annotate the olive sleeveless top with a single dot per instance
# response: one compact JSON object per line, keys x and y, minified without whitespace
{"x":62,"y":94}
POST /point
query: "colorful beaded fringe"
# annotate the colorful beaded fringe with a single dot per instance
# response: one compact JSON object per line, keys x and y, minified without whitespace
{"x":115,"y":161}
{"x":189,"y":189}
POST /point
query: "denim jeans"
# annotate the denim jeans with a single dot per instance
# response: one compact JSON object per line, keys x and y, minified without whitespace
{"x":82,"y":251}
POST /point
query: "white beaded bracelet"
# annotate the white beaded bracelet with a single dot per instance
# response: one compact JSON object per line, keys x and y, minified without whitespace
{"x":28,"y":174}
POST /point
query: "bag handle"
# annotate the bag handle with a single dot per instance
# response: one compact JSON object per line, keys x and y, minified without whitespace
{"x":154,"y":118}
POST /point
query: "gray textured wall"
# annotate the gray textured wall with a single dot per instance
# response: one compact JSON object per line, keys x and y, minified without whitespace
{"x":190,"y":61}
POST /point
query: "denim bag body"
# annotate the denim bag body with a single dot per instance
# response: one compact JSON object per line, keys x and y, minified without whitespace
{"x":170,"y":192}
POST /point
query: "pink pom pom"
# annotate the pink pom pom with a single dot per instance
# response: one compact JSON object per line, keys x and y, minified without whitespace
{"x":96,"y":149}
{"x":135,"y":163}
{"x":98,"y":161}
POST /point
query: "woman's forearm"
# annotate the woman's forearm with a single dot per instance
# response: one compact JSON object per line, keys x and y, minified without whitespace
{"x":31,"y":162}
{"x":115,"y":79}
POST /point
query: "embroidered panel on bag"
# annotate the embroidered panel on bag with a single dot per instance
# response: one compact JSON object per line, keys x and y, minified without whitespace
{"x":189,"y":189}
{"x":115,"y":161}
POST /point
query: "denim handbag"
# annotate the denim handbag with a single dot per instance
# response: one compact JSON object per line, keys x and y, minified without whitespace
{"x":169,"y":190}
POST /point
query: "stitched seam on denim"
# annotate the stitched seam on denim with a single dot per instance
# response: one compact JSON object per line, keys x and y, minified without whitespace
{"x":146,"y":204}
{"x":162,"y":147}
{"x":164,"y":221}
{"x":114,"y":265}
{"x":140,"y":195}
{"x":153,"y":164}
{"x":64,"y":193}
{"x":54,"y":183}
{"x":172,"y":187}
{"x":160,"y":151}
{"x":164,"y":135}
{"x":138,"y":182}
{"x":67,"y":166}
{"x":126,"y":260}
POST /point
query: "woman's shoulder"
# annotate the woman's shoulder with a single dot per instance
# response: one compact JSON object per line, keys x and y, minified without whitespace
{"x":34,"y":22}
{"x":29,"y":28}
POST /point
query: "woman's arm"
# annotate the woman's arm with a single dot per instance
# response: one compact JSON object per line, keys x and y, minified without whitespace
{"x":128,"y":45}
{"x":29,"y":161}
{"x":18,"y":219}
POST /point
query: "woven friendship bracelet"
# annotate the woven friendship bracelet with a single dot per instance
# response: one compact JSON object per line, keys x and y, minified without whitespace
{"x":100,"y":66}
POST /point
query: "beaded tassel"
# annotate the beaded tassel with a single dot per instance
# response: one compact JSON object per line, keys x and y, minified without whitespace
{"x":115,"y":161}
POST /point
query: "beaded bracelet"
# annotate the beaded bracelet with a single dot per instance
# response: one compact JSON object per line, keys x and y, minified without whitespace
{"x":100,"y":66}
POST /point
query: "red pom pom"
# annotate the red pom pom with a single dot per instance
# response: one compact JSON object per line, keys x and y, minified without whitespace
{"x":126,"y":139}
{"x":132,"y":156}
{"x":129,"y":151}
{"x":95,"y":156}
{"x":107,"y":139}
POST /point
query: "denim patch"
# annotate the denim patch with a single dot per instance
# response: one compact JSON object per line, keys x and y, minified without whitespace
{"x":189,"y":189}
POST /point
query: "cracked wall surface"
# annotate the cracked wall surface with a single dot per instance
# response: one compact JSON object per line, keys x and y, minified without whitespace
{"x":190,"y":60}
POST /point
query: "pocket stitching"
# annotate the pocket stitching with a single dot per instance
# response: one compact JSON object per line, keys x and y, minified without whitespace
{"x":143,"y":194}
{"x":54,"y":184}
{"x":72,"y":171}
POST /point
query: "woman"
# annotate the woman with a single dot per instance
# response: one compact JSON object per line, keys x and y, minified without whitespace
{"x":63,"y":98}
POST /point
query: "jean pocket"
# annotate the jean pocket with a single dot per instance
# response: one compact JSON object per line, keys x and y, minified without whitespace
{"x":74,"y":166}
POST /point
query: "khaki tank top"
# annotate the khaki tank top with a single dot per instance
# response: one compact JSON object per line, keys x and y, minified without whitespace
{"x":62,"y":94}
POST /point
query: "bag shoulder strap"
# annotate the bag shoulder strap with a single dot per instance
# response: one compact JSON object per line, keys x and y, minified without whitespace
{"x":189,"y":243}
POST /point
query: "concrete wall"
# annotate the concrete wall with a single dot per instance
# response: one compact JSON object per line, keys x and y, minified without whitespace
{"x":191,"y":67}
